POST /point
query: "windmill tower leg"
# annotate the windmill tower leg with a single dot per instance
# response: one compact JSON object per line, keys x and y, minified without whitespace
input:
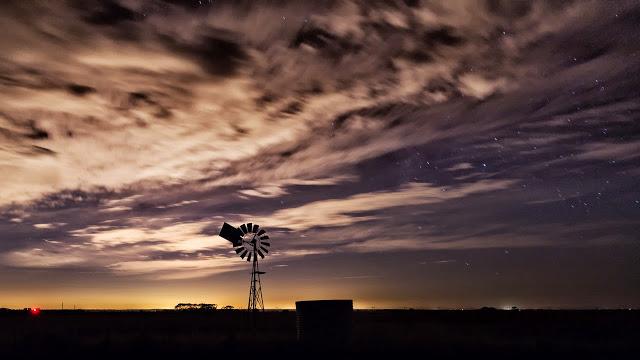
{"x":252,"y":289}
{"x":258,"y":289}
{"x":255,"y":288}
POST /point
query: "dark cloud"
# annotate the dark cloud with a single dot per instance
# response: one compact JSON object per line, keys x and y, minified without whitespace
{"x":35,"y":132}
{"x":110,"y":13}
{"x":509,"y":9}
{"x":42,"y":150}
{"x":217,"y":54}
{"x":80,"y":90}
{"x":292,"y":108}
{"x":443,"y":36}
{"x":136,"y":97}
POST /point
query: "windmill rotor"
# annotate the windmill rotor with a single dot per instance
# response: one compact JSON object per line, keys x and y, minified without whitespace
{"x":250,"y":242}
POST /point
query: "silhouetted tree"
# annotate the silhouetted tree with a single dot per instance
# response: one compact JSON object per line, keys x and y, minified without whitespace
{"x":196,"y":307}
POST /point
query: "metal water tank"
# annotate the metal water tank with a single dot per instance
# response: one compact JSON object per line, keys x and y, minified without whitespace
{"x":326,"y":322}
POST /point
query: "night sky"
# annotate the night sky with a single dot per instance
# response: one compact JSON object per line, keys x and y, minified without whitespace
{"x":399,"y":153}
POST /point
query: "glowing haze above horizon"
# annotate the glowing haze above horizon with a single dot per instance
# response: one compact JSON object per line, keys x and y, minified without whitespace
{"x":399,"y":153}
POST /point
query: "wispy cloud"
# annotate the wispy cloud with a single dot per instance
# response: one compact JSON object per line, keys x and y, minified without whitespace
{"x":342,"y":212}
{"x":48,"y":225}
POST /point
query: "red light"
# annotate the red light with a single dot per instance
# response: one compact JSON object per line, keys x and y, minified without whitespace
{"x":34,"y":311}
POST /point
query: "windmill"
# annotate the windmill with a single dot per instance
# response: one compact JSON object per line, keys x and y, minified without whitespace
{"x":249,"y":241}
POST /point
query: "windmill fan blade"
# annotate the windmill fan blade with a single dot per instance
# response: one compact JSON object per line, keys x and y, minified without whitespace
{"x":261,"y":254}
{"x":243,"y":228}
{"x":264,"y":249}
{"x":249,"y":227}
{"x":265,"y":243}
{"x":249,"y":257}
{"x":255,"y":228}
{"x":265,"y":237}
{"x":239,"y":250}
{"x":261,"y":232}
{"x":243,"y":254}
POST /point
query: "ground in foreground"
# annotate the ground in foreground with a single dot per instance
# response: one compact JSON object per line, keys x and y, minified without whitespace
{"x":221,"y":334}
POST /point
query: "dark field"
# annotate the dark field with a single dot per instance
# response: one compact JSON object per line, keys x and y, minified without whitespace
{"x":228,"y":334}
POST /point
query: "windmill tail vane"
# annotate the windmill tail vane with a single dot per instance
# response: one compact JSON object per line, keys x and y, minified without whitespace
{"x":249,"y":241}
